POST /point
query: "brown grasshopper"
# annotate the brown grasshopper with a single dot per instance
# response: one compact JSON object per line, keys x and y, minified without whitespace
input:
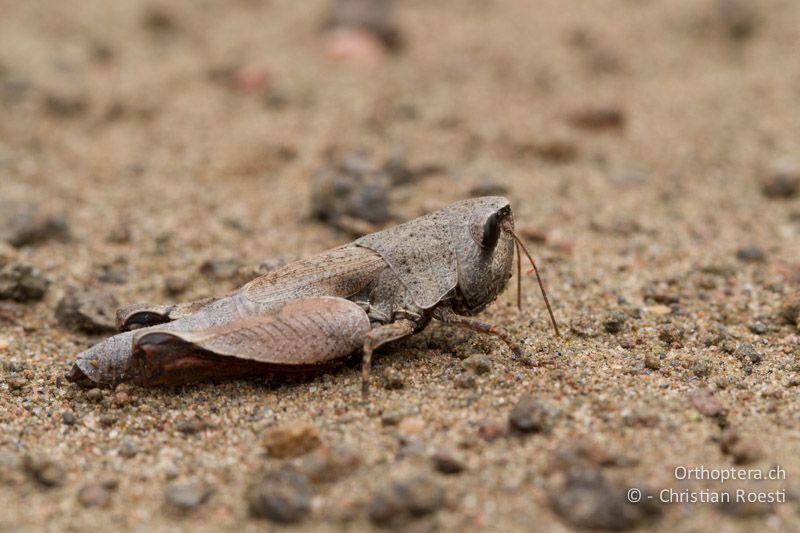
{"x":448,"y":265}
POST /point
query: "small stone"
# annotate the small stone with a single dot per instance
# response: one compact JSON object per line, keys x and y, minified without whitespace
{"x":587,"y":501}
{"x":283,"y":497}
{"x":584,"y":327}
{"x":94,"y":395}
{"x":329,"y":463}
{"x":89,"y":311}
{"x":530,"y":415}
{"x":759,"y":328}
{"x":47,"y":472}
{"x":291,"y":440}
{"x":743,"y":449}
{"x":5,"y":344}
{"x":447,"y":462}
{"x":107,"y":420}
{"x":751,"y":254}
{"x":185,"y":496}
{"x":614,"y":323}
{"x":221,"y":269}
{"x":671,"y":334}
{"x":701,"y":368}
{"x":478,"y":363}
{"x":32,"y":228}
{"x":782,"y":185}
{"x":747,"y":351}
{"x":652,"y":361}
{"x":465,"y":380}
{"x":401,"y":501}
{"x":22,"y":283}
{"x":121,"y":399}
{"x":128,"y":448}
{"x":68,"y":418}
{"x":190,"y":427}
{"x":704,"y":401}
{"x":16,"y":381}
{"x":176,"y":285}
{"x":94,"y":495}
{"x":392,"y":379}
{"x":66,"y":104}
{"x":790,"y":312}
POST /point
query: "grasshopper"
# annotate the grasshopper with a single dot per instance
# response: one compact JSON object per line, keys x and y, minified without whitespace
{"x":448,"y":265}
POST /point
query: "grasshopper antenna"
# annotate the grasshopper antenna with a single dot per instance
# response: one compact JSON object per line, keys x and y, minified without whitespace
{"x":519,"y":276}
{"x":520,"y":244}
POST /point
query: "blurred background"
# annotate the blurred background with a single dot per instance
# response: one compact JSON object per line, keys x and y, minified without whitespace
{"x":162,"y":151}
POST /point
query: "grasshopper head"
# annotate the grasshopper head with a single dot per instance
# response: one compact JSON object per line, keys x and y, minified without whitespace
{"x":481,"y":231}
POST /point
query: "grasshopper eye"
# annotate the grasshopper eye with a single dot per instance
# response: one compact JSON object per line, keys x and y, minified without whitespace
{"x":491,"y":232}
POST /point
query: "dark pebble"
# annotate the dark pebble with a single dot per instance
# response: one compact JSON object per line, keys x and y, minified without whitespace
{"x":32,"y":228}
{"x":759,"y":328}
{"x":701,"y":368}
{"x":465,"y":380}
{"x":614,"y":323}
{"x":751,"y":254}
{"x":22,"y":283}
{"x":598,"y":119}
{"x":176,"y":285}
{"x":783,"y":185}
{"x":530,"y":415}
{"x":94,"y":395}
{"x":739,"y":19}
{"x":283,"y":497}
{"x":447,"y":462}
{"x":128,"y":448}
{"x":90,"y":311}
{"x":584,"y":327}
{"x":68,"y":418}
{"x":392,"y":379}
{"x":368,"y":15}
{"x":66,"y":104}
{"x":652,"y":361}
{"x":747,"y":351}
{"x":404,"y":500}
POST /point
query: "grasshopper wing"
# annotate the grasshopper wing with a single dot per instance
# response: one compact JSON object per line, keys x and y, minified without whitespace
{"x":300,"y":334}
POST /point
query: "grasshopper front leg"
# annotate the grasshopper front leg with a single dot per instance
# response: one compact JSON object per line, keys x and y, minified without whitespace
{"x":448,"y":316}
{"x":375,"y":339}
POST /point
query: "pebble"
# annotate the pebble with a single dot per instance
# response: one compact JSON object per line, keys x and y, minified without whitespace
{"x":329,"y":463}
{"x":671,"y":334}
{"x":128,"y":448}
{"x":751,"y":254}
{"x":652,"y":361}
{"x":403,"y":500}
{"x":706,"y":403}
{"x":190,"y":427}
{"x":742,"y":449}
{"x":614,"y":323}
{"x":46,"y":471}
{"x":659,"y":310}
{"x":89,"y":311}
{"x":586,"y":500}
{"x":584,"y":327}
{"x":119,"y":234}
{"x":746,"y":351}
{"x":478,"y":363}
{"x":781,"y":185}
{"x":22,"y":283}
{"x":790,"y":312}
{"x":701,"y":368}
{"x":283,"y":497}
{"x":739,"y":18}
{"x":187,"y":495}
{"x":488,"y":187}
{"x":447,"y":462}
{"x":392,"y":379}
{"x":759,"y":328}
{"x":291,"y":440}
{"x":16,"y":381}
{"x":94,"y":395}
{"x":68,"y":418}
{"x":531,"y":415}
{"x":66,"y":103}
{"x":465,"y":380}
{"x":32,"y":228}
{"x":94,"y":495}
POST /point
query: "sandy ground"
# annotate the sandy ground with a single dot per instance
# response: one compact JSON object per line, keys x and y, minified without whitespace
{"x":109,"y":116}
